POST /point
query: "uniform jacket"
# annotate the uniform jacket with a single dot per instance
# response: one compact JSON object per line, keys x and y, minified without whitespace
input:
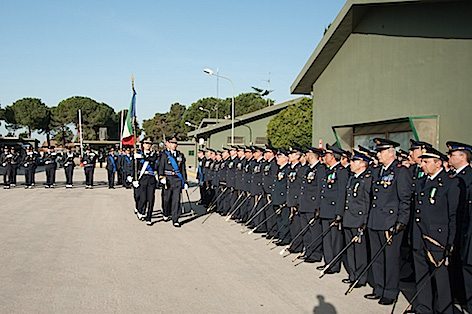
{"x":310,"y":187}
{"x":358,"y":196}
{"x":293,"y":185}
{"x":436,"y":203}
{"x":333,"y":192}
{"x":391,"y":197}
{"x":256,"y":177}
{"x":279,"y":189}
{"x":465,"y":213}
{"x":269,"y":175}
{"x":89,"y":159}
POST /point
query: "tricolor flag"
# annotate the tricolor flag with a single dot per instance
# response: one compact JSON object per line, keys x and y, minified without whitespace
{"x":128,"y":134}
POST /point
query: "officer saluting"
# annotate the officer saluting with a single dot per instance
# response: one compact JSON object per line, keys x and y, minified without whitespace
{"x":173,"y":175}
{"x":389,"y":213}
{"x":460,"y":157}
{"x":434,"y":229}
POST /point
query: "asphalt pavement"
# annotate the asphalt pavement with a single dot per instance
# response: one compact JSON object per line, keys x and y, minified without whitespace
{"x":84,"y":251}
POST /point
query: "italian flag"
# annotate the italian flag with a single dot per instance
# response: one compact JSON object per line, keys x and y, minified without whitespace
{"x":127,"y":137}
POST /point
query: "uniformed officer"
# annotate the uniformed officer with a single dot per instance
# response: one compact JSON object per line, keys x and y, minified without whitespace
{"x":145,"y":186}
{"x":389,"y":214}
{"x":356,"y":211}
{"x":200,"y":175}
{"x":120,"y":179}
{"x":242,"y":213}
{"x":332,"y":199}
{"x":269,"y":175}
{"x":173,"y":175}
{"x":295,"y":177}
{"x":49,"y":160}
{"x":460,"y":158}
{"x":127,"y":168}
{"x":231,"y":179}
{"x":313,"y":174}
{"x":208,"y":176}
{"x":5,"y":163}
{"x":15,"y":160}
{"x":279,"y":198}
{"x":69,"y":165}
{"x":28,"y":162}
{"x":111,"y":166}
{"x":257,"y":191}
{"x":240,"y":195}
{"x":88,"y":160}
{"x":434,"y":229}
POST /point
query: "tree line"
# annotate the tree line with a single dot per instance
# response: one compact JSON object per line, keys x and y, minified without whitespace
{"x":291,"y":126}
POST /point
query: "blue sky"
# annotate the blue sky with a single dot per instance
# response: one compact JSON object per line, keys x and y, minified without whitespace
{"x":56,"y":49}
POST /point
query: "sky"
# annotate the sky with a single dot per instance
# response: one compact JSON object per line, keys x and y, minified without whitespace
{"x":55,"y":49}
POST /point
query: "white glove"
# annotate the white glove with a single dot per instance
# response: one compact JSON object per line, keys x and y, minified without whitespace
{"x":129,"y":178}
{"x":84,"y":162}
{"x":185,"y":186}
{"x":136,"y":156}
{"x":163,"y":181}
{"x":136,"y":184}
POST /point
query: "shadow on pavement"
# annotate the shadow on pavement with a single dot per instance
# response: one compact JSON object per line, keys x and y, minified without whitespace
{"x":323,"y":307}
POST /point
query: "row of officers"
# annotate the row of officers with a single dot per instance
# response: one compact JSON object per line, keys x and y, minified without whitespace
{"x":386,"y":209}
{"x":119,"y":166}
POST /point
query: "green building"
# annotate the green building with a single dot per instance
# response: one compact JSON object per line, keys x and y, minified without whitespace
{"x":249,"y":129}
{"x":398,"y":69}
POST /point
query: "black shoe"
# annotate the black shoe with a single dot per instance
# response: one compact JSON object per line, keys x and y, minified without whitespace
{"x":177,"y":224}
{"x":386,"y":301}
{"x":312,"y":260}
{"x":371,"y":296}
{"x":321,"y":267}
{"x":330,"y":272}
{"x":359,"y":285}
{"x":346,"y":280}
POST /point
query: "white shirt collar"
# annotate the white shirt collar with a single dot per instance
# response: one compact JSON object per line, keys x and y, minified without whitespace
{"x":435,"y":175}
{"x":461,"y":168}
{"x":330,"y":168}
{"x":388,"y":166}
{"x":356,"y":175}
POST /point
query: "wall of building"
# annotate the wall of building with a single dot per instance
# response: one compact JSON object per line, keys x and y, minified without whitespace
{"x":250,"y":131}
{"x":399,"y":62}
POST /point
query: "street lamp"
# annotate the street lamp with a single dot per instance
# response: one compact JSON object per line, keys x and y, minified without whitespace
{"x":212,"y":73}
{"x":190,"y":124}
{"x":203,"y":109}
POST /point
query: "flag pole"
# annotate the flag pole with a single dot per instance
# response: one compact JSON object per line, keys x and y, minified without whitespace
{"x":80,"y":133}
{"x":134,"y":136}
{"x":121,"y":130}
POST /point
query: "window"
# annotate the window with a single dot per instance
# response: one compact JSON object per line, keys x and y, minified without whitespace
{"x":261,"y":141}
{"x":237,"y":140}
{"x":191,"y":153}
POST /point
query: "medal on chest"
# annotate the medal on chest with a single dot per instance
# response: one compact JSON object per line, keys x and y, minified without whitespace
{"x":291,"y":176}
{"x":280,"y":175}
{"x":310,"y":176}
{"x":386,"y":180}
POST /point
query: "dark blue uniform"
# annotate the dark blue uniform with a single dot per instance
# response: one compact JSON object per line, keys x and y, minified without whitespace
{"x":279,"y":202}
{"x":332,"y":200}
{"x":434,"y":230}
{"x":391,"y":197}
{"x":309,"y":202}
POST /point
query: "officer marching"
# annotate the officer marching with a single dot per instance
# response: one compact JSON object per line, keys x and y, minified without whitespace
{"x":145,"y":185}
{"x":173,"y":176}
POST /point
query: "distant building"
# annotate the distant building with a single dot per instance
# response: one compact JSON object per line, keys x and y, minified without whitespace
{"x":249,"y":129}
{"x":397,"y":69}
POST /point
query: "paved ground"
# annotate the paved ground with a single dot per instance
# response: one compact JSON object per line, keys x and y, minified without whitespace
{"x":83,"y":251}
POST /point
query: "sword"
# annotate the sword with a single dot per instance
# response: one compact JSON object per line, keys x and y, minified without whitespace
{"x":263,"y":222}
{"x":212,"y":205}
{"x":310,"y":223}
{"x":240,"y":204}
{"x":190,"y":203}
{"x":338,"y":256}
{"x":232,"y":206}
{"x":368,"y":266}
{"x":256,"y":214}
{"x":321,"y":236}
{"x":423,"y":286}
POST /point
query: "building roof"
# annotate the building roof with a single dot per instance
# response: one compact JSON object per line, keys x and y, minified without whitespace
{"x":337,"y":33}
{"x":255,"y":115}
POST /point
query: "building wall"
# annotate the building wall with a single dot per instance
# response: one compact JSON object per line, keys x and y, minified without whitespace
{"x":249,"y":131}
{"x":394,"y":66}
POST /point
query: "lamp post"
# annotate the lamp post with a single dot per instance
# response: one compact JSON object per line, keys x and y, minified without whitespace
{"x":203,"y":109}
{"x":190,"y":124}
{"x":212,"y":73}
